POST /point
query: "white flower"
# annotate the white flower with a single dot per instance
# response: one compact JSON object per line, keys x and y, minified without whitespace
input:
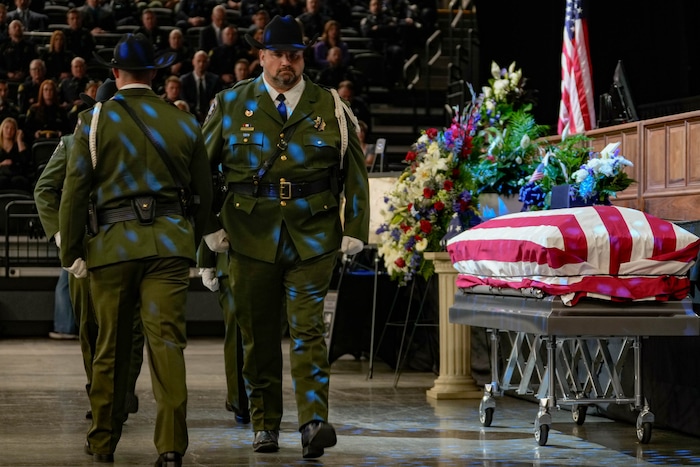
{"x":486,"y":90}
{"x":524,"y":142}
{"x":580,"y":175}
{"x":518,"y":160}
{"x":495,"y":70}
{"x":606,"y":168}
{"x":500,"y":88}
{"x":422,"y":245}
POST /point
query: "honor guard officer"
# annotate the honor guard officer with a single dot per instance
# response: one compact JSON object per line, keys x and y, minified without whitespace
{"x":135,"y":176}
{"x":286,"y":154}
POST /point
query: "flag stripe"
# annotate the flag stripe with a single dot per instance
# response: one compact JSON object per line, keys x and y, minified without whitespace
{"x":577,"y":108}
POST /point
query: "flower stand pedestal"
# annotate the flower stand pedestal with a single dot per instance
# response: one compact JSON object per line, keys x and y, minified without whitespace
{"x":455,"y":380}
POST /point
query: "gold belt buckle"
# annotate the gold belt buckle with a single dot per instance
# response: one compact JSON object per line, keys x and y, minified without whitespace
{"x":285,"y":189}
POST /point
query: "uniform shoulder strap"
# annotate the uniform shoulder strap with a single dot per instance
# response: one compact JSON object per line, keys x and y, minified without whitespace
{"x":341,"y":111}
{"x":92,"y":138}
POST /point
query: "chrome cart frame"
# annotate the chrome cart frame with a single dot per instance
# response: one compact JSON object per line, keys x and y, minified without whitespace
{"x":586,"y":345}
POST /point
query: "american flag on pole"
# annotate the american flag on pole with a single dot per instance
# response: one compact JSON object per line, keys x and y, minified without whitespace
{"x":576,"y":111}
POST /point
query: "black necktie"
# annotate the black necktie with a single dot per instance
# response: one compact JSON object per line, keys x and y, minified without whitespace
{"x":202,"y":96}
{"x":281,"y":108}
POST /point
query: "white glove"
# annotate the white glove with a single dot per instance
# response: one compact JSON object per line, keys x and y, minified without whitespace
{"x":351,"y":246}
{"x":217,"y":241}
{"x":209,"y":278}
{"x":78,"y":269}
{"x":57,"y":239}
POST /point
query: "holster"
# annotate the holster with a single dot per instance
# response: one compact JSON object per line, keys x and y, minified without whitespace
{"x":145,"y":209}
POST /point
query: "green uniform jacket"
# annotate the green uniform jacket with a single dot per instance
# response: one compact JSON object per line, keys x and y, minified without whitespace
{"x":47,"y":192}
{"x":128,"y":165}
{"x":241,"y":133}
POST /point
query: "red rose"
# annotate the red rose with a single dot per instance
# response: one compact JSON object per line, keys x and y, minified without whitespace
{"x":448,"y":185}
{"x":428,"y":193}
{"x":439,"y":205}
{"x":405,"y":228}
{"x":400,"y":262}
{"x":425,"y":226}
{"x":431,"y":133}
{"x":410,"y":156}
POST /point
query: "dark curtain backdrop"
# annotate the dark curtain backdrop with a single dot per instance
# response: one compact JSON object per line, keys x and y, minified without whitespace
{"x":659,"y":43}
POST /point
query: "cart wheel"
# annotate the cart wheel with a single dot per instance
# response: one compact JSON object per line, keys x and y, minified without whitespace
{"x":579,"y":414}
{"x":541,"y":434}
{"x":486,"y":416}
{"x":644,"y":432}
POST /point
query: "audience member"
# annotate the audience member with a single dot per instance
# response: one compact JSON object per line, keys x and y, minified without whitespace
{"x":241,"y":70}
{"x":97,"y":18}
{"x":346,"y":90}
{"x":313,"y":19}
{"x":200,"y":86}
{"x":223,"y":58}
{"x":193,"y":13}
{"x":382,"y":30}
{"x":253,"y":55}
{"x":330,"y":38}
{"x":183,"y":54}
{"x":28,"y":91}
{"x":46,"y":118}
{"x":7,"y":107}
{"x":16,"y":53}
{"x":248,"y":8}
{"x":126,"y":12}
{"x":83,"y":104}
{"x":288,"y":7}
{"x":70,"y":88}
{"x":259,"y":20}
{"x":149,"y":28}
{"x":336,"y":72}
{"x":79,"y":41}
{"x":57,"y":57}
{"x":211,"y":35}
{"x":367,"y":148}
{"x":31,"y":20}
{"x":172,"y":89}
{"x":15,"y":159}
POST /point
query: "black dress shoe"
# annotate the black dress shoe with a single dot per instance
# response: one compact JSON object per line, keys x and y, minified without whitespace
{"x":88,"y":415}
{"x":315,"y":436}
{"x":169,"y":459}
{"x":242,"y":418}
{"x":106,"y":458}
{"x":266,"y":441}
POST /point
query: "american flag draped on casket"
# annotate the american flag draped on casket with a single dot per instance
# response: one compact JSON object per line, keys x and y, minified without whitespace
{"x":606,"y":252}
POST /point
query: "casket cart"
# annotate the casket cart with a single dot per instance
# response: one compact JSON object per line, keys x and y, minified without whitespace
{"x":568,"y":355}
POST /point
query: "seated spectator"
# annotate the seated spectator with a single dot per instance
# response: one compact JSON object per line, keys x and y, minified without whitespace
{"x":193,"y":13}
{"x":313,"y":19}
{"x":79,"y":41}
{"x":7,"y":107}
{"x":382,"y":29}
{"x":16,"y":53}
{"x":211,"y":35}
{"x":91,"y":91}
{"x":330,"y":38}
{"x":410,"y":28}
{"x":172,"y":89}
{"x":367,"y":148}
{"x":253,"y":55}
{"x":31,"y":20}
{"x":287,"y":7}
{"x":70,"y":88}
{"x":241,"y":70}
{"x":126,"y":12}
{"x":97,"y":19}
{"x":15,"y":159}
{"x":335,"y":72}
{"x":200,"y":86}
{"x":223,"y":58}
{"x":259,"y":20}
{"x":346,"y":90}
{"x":149,"y":28}
{"x":57,"y":57}
{"x":29,"y":90}
{"x":46,"y":118}
{"x":248,"y":8}
{"x":183,"y":58}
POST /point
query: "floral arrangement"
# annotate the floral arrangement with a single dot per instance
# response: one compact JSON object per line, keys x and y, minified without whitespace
{"x":434,"y":191}
{"x":503,"y":150}
{"x":592,"y":177}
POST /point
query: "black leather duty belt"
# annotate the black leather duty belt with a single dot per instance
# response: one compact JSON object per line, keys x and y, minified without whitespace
{"x":126,"y":213}
{"x":283,"y":190}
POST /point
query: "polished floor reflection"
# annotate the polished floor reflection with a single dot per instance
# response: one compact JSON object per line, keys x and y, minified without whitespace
{"x":42,"y":407}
